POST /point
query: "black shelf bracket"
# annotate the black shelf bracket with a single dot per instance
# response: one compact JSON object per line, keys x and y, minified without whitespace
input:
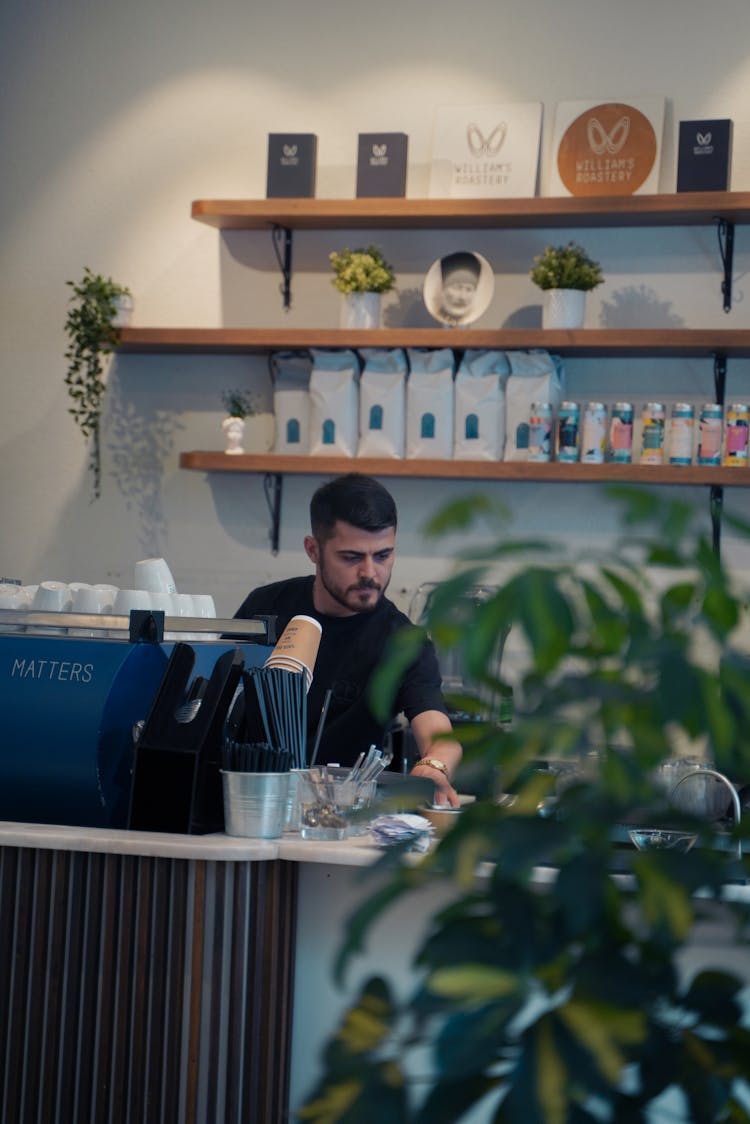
{"x":716,"y":504}
{"x":272,"y":484}
{"x":281,"y":237}
{"x":725,"y":232}
{"x":720,"y":377}
{"x":716,"y":500}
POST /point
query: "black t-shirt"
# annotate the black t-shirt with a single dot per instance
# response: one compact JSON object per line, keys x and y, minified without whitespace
{"x":350,"y":648}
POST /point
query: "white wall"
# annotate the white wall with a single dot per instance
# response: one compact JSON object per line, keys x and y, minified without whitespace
{"x":115,"y":117}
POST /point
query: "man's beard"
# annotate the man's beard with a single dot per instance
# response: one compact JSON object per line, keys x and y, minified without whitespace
{"x":347,"y":597}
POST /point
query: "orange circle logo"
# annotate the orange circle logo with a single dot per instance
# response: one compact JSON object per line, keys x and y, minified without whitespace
{"x":608,"y":150}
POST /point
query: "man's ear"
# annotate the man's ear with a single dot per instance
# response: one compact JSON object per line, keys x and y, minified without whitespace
{"x":311,"y":549}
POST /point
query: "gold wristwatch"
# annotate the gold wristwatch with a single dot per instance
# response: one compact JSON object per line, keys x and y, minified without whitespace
{"x":435,"y":763}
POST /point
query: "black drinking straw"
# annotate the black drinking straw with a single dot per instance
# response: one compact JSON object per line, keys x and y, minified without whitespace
{"x":321,"y":724}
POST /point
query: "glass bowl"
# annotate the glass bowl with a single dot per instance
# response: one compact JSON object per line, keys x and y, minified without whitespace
{"x":660,"y":839}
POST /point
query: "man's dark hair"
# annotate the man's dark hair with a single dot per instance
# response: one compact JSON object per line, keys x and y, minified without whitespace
{"x":355,"y":499}
{"x":462,"y":259}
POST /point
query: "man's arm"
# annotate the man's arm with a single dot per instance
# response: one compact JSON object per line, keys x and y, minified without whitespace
{"x":426,"y":727}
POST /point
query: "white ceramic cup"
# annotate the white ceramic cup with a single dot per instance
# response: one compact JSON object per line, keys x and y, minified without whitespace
{"x":13,"y":597}
{"x":154,"y":575}
{"x":182,"y":606}
{"x":92,"y":600}
{"x":125,"y":601}
{"x":52,"y":597}
{"x":129,"y":599}
{"x":107,"y":588}
{"x":204,"y":606}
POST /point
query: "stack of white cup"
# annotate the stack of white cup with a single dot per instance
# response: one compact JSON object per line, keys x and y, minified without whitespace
{"x":153,"y":580}
{"x":153,"y":588}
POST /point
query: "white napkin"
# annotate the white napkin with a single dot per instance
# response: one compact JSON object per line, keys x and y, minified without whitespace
{"x":400,"y":828}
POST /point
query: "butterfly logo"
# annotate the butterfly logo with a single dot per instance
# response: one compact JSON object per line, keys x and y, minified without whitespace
{"x":379,"y":149}
{"x":703,"y":139}
{"x":600,"y":141}
{"x":485,"y":146}
{"x":290,"y":149}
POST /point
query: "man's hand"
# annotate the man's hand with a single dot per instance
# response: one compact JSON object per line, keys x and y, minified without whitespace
{"x":429,"y":729}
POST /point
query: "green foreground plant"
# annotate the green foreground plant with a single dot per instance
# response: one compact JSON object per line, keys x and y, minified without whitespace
{"x":92,"y":335}
{"x":566,"y":267}
{"x":566,"y":1002}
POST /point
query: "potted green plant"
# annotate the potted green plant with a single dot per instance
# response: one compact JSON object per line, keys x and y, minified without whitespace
{"x":569,"y":999}
{"x":362,"y":276}
{"x":565,"y":274}
{"x":96,"y":312}
{"x":239,"y":404}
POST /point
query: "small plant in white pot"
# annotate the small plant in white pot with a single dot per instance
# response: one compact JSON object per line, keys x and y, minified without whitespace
{"x":239,"y":404}
{"x":362,"y":275}
{"x":565,"y":274}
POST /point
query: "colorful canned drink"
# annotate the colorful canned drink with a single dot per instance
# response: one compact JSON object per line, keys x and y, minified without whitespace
{"x":709,"y":434}
{"x":681,"y":427}
{"x":540,"y":431}
{"x":594,"y":435}
{"x":621,"y":433}
{"x":736,"y":434}
{"x":568,"y":431}
{"x":652,"y":438}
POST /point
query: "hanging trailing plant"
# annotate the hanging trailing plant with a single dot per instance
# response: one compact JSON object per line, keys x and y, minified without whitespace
{"x":90,"y":328}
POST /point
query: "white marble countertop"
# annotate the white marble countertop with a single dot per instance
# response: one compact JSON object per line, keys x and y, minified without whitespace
{"x":212,"y":848}
{"x":354,"y":852}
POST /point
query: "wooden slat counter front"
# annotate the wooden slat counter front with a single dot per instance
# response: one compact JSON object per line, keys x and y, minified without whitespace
{"x":144,"y":977}
{"x":148,"y":977}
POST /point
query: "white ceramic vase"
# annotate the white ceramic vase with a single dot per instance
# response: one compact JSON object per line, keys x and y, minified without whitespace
{"x":234,"y":432}
{"x":563,"y":308}
{"x":124,"y":311}
{"x":360,"y":310}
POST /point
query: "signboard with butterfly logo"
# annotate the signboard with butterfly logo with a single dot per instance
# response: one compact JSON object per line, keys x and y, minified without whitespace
{"x":486,"y":151}
{"x":704,"y":155}
{"x":607,"y":148}
{"x":291,"y":165}
{"x":381,"y":165}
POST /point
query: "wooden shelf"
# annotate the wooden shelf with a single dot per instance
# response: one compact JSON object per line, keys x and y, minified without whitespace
{"x":688,"y":342}
{"x":684,"y":209}
{"x":551,"y":472}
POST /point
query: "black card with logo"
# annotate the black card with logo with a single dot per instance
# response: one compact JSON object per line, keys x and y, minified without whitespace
{"x":381,"y":165}
{"x":291,"y":165}
{"x":704,"y":155}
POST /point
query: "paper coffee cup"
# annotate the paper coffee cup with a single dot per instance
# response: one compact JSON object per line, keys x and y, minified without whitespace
{"x":288,"y":663}
{"x":301,"y":640}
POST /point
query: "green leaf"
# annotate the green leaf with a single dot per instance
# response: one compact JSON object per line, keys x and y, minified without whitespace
{"x":473,"y":983}
{"x":603,"y":1031}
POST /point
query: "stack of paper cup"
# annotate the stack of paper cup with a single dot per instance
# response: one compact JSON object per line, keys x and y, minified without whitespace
{"x":297,"y":647}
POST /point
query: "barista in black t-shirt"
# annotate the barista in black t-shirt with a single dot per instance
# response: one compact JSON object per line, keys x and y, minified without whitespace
{"x":353,"y":523}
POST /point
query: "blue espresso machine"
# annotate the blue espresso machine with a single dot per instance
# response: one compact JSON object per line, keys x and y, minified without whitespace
{"x":69,"y":704}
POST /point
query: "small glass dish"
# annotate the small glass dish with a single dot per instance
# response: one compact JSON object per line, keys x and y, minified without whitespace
{"x":660,"y":839}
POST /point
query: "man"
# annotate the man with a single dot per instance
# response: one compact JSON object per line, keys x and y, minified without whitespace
{"x":460,"y":277}
{"x":352,"y":546}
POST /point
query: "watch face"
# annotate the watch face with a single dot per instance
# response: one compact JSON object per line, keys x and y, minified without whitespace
{"x":458,"y":288}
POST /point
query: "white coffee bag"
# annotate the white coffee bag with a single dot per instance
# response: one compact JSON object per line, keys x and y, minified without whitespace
{"x":479,"y":430}
{"x":535,"y":376}
{"x":290,"y":373}
{"x":429,"y":404}
{"x":334,"y":403}
{"x":382,"y":402}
